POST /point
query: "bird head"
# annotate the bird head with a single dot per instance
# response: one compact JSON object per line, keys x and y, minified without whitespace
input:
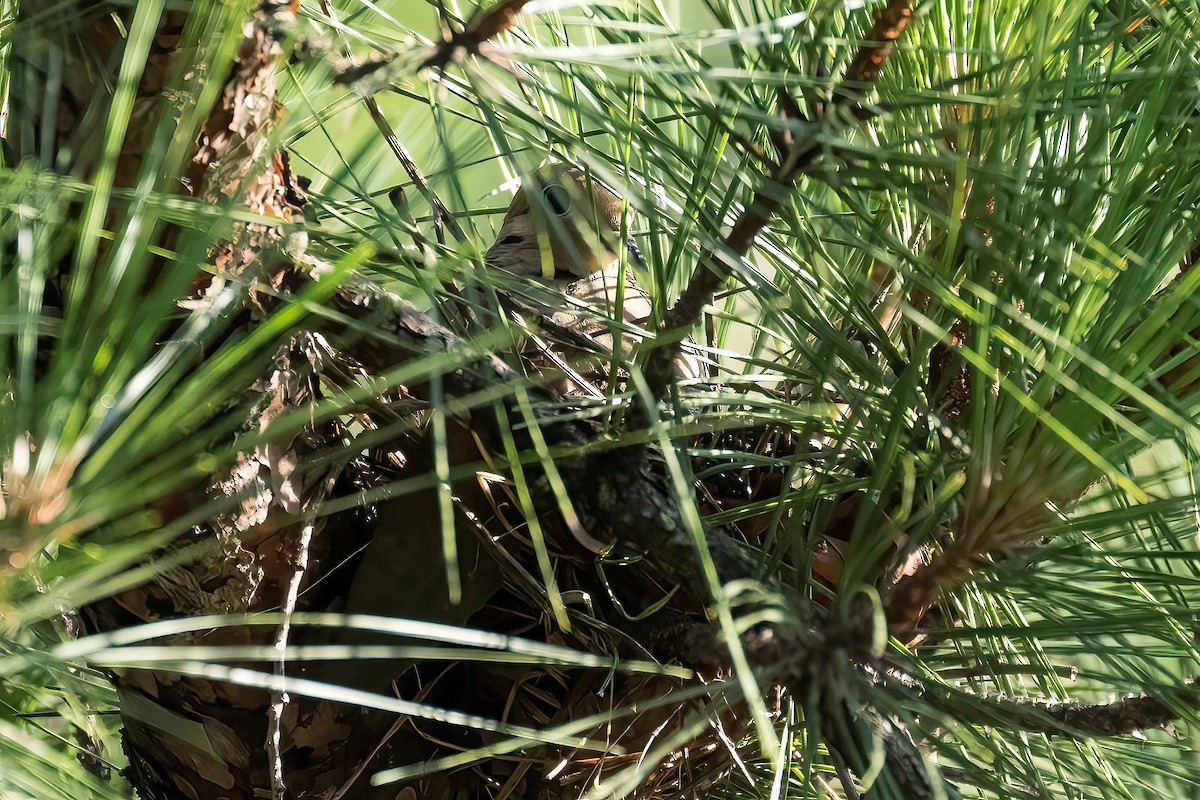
{"x":562,"y":224}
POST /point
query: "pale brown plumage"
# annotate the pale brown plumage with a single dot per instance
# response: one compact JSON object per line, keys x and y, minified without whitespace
{"x":566,"y":231}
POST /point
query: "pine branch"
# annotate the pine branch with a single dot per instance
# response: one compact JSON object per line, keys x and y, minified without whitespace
{"x":795,"y":157}
{"x":907,"y":601}
{"x":1115,"y":718}
{"x":1015,"y":527}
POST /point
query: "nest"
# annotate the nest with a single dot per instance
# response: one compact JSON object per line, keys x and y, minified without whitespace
{"x":654,"y":734}
{"x":678,"y":736}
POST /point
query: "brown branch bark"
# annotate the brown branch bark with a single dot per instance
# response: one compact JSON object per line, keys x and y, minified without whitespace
{"x":208,"y":738}
{"x":879,"y":43}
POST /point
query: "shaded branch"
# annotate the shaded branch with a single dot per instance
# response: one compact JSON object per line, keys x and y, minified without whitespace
{"x":808,"y":663}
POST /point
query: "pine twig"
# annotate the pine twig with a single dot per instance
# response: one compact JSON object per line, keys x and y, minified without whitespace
{"x":442,"y":218}
{"x":482,"y":26}
{"x":879,"y":43}
{"x":715,"y":265}
{"x":298,"y":555}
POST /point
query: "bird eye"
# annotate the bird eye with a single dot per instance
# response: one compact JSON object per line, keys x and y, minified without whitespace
{"x":558,"y":198}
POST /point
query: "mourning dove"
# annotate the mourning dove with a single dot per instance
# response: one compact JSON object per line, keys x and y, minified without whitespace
{"x":566,"y":231}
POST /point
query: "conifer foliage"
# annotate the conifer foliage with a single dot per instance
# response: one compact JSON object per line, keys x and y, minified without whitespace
{"x":301,"y":498}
